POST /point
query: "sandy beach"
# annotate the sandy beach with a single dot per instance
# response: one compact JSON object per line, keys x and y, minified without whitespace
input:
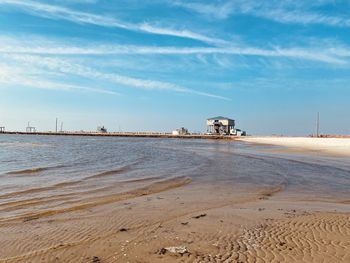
{"x":332,"y":146}
{"x":211,"y":226}
{"x":174,"y":131}
{"x":184,"y":219}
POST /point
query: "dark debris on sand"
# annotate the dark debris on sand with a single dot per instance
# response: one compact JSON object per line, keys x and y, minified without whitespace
{"x":199,"y":216}
{"x":96,"y":259}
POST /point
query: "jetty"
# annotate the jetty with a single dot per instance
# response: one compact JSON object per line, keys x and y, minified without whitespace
{"x":125,"y":134}
{"x":217,"y":128}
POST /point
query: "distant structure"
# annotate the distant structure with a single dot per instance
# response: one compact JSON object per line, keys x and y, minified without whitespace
{"x":318,"y":125}
{"x":2,"y":129}
{"x":181,"y":131}
{"x":223,"y":126}
{"x":102,"y":129}
{"x":238,"y":132}
{"x":220,"y":125}
{"x":30,"y":129}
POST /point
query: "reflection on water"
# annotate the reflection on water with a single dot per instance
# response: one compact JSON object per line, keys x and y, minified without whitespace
{"x":50,"y":172}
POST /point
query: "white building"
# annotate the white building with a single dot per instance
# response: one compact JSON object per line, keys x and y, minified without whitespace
{"x":220,"y":125}
{"x":181,"y":131}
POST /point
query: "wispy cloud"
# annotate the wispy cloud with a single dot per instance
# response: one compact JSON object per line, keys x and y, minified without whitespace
{"x":181,"y":33}
{"x":221,"y":10}
{"x":332,"y":55}
{"x":291,"y":12}
{"x":289,"y":83}
{"x":299,"y":17}
{"x":64,"y":13}
{"x":66,"y":67}
{"x":18,"y":76}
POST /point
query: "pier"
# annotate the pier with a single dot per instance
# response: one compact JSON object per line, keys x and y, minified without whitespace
{"x":126,"y":134}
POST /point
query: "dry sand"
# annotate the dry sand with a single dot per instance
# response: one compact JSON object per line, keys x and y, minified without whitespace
{"x":333,"y":146}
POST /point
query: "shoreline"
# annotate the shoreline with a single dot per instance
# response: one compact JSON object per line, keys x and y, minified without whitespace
{"x":128,"y":213}
{"x":339,"y":147}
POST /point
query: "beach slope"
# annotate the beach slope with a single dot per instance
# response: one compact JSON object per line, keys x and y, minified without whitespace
{"x":331,"y":146}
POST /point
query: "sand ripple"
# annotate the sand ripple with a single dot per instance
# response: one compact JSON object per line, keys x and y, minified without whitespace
{"x":309,"y":238}
{"x":33,"y":170}
{"x":155,"y":187}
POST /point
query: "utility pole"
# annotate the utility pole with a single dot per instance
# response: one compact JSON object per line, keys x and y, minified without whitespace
{"x":56,"y":124}
{"x":318,"y":125}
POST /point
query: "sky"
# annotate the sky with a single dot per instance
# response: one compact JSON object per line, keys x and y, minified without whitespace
{"x":158,"y":65}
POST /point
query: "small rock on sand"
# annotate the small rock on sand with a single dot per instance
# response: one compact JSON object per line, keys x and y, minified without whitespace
{"x":96,"y":259}
{"x":175,"y":250}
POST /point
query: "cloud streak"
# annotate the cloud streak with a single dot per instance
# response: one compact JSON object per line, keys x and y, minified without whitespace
{"x":289,"y":12}
{"x":66,"y":67}
{"x":297,"y":17}
{"x":16,"y":76}
{"x":327,"y":55}
{"x":63,"y":13}
{"x":220,"y":11}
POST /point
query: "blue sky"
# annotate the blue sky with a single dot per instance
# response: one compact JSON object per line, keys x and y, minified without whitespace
{"x":161,"y":64}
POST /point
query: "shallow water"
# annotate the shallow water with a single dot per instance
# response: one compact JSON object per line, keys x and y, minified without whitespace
{"x":49,"y":173}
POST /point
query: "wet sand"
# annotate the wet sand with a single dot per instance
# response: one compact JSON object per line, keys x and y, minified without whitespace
{"x":215,"y":223}
{"x":143,"y":219}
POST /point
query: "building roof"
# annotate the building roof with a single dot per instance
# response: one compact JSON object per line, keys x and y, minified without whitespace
{"x":219,"y":118}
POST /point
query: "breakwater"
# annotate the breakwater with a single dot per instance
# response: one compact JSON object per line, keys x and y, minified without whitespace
{"x":128,"y":134}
